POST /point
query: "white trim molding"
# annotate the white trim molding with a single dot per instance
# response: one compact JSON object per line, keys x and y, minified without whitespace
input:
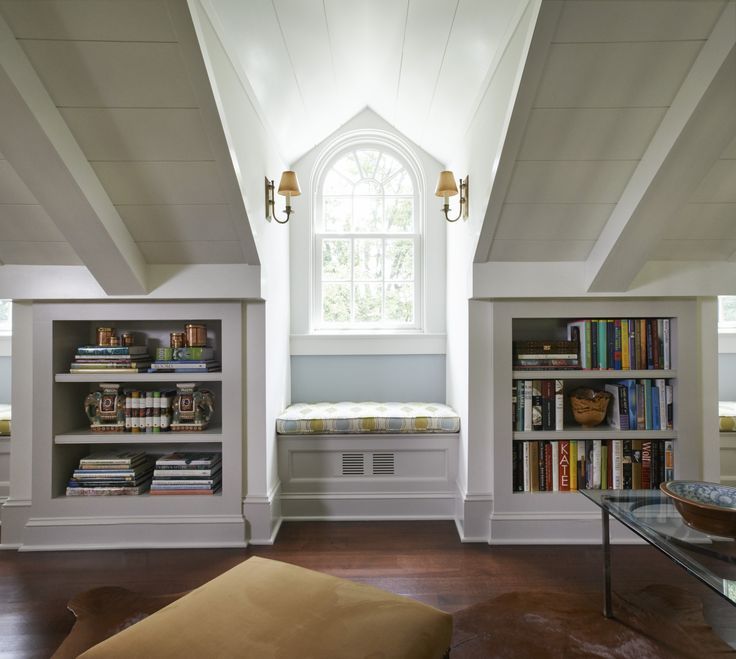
{"x":6,"y":345}
{"x":368,"y":344}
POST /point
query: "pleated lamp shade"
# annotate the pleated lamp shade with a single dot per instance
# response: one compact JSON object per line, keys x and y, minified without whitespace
{"x":446,"y":185}
{"x":289,"y":185}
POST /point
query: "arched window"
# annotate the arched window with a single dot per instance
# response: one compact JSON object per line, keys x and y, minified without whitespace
{"x":367,"y":234}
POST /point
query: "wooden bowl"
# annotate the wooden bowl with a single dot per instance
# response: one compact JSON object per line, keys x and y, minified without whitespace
{"x":589,"y":406}
{"x":706,"y":507}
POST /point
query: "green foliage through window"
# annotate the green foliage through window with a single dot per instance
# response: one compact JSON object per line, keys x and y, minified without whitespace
{"x":367,"y":241}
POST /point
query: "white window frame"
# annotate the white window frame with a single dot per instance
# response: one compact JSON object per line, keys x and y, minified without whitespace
{"x":384,"y":143}
{"x":6,"y":327}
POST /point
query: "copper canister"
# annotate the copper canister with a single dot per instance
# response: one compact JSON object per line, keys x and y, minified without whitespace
{"x":196,"y":335}
{"x":176,"y":339}
{"x":127,"y":339}
{"x":104,"y":334}
{"x":114,"y":340}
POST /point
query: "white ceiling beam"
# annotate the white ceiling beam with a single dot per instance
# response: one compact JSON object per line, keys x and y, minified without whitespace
{"x":564,"y":279}
{"x":40,"y":147}
{"x":203,"y":91}
{"x":544,"y":31}
{"x":235,"y":281}
{"x":698,"y":125}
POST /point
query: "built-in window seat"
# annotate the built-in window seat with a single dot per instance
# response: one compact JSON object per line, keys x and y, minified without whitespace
{"x":368,"y":460}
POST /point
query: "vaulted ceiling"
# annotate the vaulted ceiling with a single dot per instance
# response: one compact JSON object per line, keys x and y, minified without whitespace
{"x":422,"y":65}
{"x":619,"y":153}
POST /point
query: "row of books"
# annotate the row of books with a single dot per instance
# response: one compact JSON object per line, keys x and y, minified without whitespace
{"x":537,"y":405}
{"x":615,"y":464}
{"x":623,"y":343}
{"x":148,"y":411}
{"x":132,"y":473}
{"x":641,"y":405}
{"x":106,"y":359}
{"x":187,"y":473}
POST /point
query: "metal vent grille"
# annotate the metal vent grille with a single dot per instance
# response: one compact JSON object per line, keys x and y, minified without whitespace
{"x":383,"y":464}
{"x":353,"y":464}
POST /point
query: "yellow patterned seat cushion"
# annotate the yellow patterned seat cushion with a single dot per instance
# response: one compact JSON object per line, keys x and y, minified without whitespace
{"x":367,"y":417}
{"x":266,"y":609}
{"x":5,"y":413}
{"x":727,"y":415}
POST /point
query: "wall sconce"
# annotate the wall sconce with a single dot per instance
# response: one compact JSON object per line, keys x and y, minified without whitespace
{"x":446,"y":188}
{"x":288,"y":187}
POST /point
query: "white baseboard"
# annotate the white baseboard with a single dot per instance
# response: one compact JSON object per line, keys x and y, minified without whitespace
{"x":472,"y":511}
{"x":140,"y":532}
{"x":559,"y":528}
{"x":14,"y":514}
{"x":263,"y":516}
{"x":340,"y":506}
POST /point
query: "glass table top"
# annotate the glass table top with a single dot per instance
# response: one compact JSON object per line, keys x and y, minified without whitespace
{"x":652,"y":516}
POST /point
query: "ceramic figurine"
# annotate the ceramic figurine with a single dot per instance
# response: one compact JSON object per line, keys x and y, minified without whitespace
{"x":106,"y":409}
{"x":193,"y":408}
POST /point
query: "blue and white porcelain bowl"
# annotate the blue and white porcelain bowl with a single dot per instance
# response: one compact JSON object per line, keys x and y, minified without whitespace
{"x":706,"y":507}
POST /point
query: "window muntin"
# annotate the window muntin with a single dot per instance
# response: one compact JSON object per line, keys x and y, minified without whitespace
{"x":367,"y":242}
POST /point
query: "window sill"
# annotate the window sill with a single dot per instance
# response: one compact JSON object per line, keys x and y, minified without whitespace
{"x":368,"y":344}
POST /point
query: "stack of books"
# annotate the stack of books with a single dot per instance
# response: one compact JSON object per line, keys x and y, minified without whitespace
{"x":187,"y":473}
{"x":111,"y":473}
{"x":109,"y":359}
{"x":184,"y":360}
{"x":546,"y":355}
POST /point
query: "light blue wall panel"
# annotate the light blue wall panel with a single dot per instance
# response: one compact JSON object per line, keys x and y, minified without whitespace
{"x":5,"y":379}
{"x":382,"y":378}
{"x":727,"y":376}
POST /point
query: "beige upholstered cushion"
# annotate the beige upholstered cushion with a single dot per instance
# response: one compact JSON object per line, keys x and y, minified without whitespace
{"x":366,"y":417}
{"x":268,"y":609}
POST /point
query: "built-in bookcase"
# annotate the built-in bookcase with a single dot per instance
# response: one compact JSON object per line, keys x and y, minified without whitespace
{"x":62,"y":435}
{"x":522,"y":515}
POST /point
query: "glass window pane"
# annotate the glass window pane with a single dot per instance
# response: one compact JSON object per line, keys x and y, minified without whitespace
{"x":387,"y":167}
{"x":368,"y":160}
{"x":368,"y":303}
{"x":368,"y":214}
{"x":336,"y":184}
{"x":336,"y":303}
{"x":348,"y":167}
{"x":399,"y":214}
{"x":368,"y":188}
{"x":336,"y":260}
{"x":336,"y":214}
{"x":367,"y":259}
{"x":400,"y":303}
{"x":400,"y":260}
{"x":399,"y":184}
{"x":6,"y":316}
{"x":727,"y":308}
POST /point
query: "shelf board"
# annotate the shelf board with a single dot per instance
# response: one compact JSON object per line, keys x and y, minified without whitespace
{"x":138,"y":377}
{"x":580,"y":374}
{"x":594,"y":433}
{"x":86,"y":436}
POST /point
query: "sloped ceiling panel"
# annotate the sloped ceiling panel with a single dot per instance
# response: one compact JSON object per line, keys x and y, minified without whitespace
{"x":27,"y":234}
{"x":611,"y":72}
{"x":117,"y":74}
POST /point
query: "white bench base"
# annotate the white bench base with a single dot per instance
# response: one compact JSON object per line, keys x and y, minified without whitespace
{"x":368,"y":476}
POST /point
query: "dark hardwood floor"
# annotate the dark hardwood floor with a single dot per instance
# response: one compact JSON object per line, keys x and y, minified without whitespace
{"x":423,"y":560}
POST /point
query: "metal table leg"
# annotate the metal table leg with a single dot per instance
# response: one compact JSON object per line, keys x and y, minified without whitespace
{"x":607,"y":607}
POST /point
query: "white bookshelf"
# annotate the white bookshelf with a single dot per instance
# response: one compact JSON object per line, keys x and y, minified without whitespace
{"x":564,"y":517}
{"x":61,"y":434}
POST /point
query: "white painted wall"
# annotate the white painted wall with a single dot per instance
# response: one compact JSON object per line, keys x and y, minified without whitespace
{"x":478,"y":159}
{"x":255,"y":157}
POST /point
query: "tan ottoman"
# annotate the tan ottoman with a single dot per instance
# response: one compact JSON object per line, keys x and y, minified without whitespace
{"x":264,"y":608}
